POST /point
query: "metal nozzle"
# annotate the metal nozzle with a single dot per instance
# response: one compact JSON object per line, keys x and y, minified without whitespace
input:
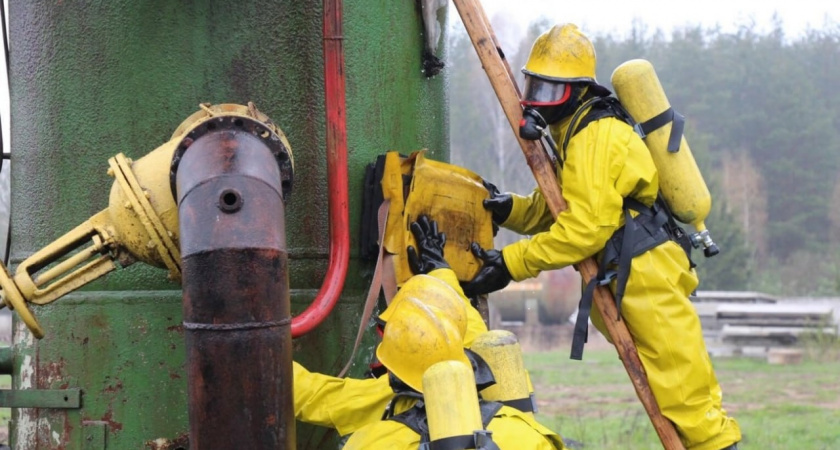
{"x":704,"y":239}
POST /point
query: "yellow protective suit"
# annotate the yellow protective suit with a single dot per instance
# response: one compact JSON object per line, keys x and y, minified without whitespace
{"x":512,"y":430}
{"x":347,"y":404}
{"x":606,"y":162}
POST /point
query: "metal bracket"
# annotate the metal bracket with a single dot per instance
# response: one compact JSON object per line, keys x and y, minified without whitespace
{"x":41,"y":398}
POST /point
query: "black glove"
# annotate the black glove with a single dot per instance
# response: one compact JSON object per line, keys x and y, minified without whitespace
{"x":532,"y":125}
{"x":430,"y":243}
{"x":494,"y":275}
{"x":498,"y":204}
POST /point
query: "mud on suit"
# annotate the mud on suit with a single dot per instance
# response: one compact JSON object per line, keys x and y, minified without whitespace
{"x":606,"y":162}
{"x":349,"y":405}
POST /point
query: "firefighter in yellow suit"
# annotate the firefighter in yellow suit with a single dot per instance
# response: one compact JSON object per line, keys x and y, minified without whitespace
{"x":416,"y":337}
{"x":608,"y":175}
{"x":348,"y":404}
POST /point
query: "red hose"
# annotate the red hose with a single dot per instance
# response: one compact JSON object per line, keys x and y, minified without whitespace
{"x":337,"y":181}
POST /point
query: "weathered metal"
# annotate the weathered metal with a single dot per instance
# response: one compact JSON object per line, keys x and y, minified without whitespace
{"x":93,"y":79}
{"x":40,"y":398}
{"x":237,"y":319}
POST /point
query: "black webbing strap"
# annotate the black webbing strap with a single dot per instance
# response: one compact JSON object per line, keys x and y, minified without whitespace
{"x":388,"y":414}
{"x":522,"y":404}
{"x":453,"y":443}
{"x":480,"y":440}
{"x":416,"y":419}
{"x":638,"y":235}
{"x":581,"y":333}
{"x":660,"y":120}
{"x":625,"y":259}
{"x":488,"y":411}
{"x":590,"y":117}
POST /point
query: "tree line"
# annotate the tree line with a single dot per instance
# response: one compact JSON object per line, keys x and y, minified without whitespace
{"x":761,"y":120}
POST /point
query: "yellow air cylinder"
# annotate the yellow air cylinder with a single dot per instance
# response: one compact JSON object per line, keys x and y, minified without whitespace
{"x":680,"y":181}
{"x":501,"y":350}
{"x":451,"y":400}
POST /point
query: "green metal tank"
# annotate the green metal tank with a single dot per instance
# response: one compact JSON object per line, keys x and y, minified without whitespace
{"x":93,"y":79}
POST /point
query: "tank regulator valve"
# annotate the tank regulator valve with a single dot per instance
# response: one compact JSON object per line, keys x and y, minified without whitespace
{"x":704,"y":239}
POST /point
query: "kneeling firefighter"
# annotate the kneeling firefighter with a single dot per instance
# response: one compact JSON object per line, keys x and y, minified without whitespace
{"x":416,"y":338}
{"x":348,"y":404}
{"x":611,"y":186}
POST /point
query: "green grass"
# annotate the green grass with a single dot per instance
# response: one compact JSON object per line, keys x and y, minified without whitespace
{"x":777,"y":406}
{"x":5,"y":413}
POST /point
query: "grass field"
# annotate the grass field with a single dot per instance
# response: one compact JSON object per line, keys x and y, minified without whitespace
{"x":793,"y":406}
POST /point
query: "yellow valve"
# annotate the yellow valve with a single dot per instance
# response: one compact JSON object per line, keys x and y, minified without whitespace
{"x":451,"y":401}
{"x":139,"y":224}
{"x":13,"y":299}
{"x":501,"y":350}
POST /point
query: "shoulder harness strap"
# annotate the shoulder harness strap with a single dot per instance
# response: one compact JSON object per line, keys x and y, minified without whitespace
{"x":660,"y":120}
{"x":526,"y":404}
{"x":601,"y":107}
{"x":652,"y":226}
{"x":416,"y":419}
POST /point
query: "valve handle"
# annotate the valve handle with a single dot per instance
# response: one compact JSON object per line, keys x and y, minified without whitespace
{"x":14,"y":300}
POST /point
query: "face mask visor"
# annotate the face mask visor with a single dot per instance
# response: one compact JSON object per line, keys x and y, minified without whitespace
{"x":539,"y":92}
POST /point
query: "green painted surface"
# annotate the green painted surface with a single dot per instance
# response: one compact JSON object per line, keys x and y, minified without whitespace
{"x":41,"y":398}
{"x":92,"y":79}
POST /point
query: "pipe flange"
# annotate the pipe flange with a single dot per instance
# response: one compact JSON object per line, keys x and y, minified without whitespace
{"x":278,"y":148}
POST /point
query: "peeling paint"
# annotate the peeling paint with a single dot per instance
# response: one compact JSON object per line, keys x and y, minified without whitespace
{"x":51,"y":372}
{"x":181,"y":442}
{"x":25,"y":429}
{"x":112,"y":424}
{"x":27,"y":373}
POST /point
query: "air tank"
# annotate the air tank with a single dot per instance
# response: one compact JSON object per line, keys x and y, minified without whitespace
{"x":682,"y":185}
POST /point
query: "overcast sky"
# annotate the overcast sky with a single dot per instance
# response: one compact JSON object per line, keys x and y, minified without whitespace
{"x":615,"y":17}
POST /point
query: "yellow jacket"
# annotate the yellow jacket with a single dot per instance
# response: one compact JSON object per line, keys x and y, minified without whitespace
{"x":512,"y":430}
{"x":605,"y":162}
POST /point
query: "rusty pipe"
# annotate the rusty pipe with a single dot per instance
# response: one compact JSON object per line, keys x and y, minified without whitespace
{"x":237,"y":319}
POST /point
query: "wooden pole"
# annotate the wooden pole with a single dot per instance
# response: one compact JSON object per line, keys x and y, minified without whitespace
{"x":483,"y":39}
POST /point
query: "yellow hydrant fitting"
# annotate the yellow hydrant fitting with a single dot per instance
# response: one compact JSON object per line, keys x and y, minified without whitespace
{"x":501,"y":350}
{"x":451,"y":400}
{"x":139,"y":224}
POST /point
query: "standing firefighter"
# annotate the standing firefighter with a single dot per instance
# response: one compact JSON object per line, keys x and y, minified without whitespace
{"x":608,"y":178}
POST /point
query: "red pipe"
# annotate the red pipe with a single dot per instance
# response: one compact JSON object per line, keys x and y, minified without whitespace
{"x":337,"y":181}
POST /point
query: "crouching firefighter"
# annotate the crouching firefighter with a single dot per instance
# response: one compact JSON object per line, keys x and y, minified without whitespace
{"x":611,"y":186}
{"x":349,"y":404}
{"x":417,"y":337}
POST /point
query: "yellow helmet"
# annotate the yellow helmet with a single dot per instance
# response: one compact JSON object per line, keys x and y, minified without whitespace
{"x":559,"y":56}
{"x":434,"y":292}
{"x":415,"y":339}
